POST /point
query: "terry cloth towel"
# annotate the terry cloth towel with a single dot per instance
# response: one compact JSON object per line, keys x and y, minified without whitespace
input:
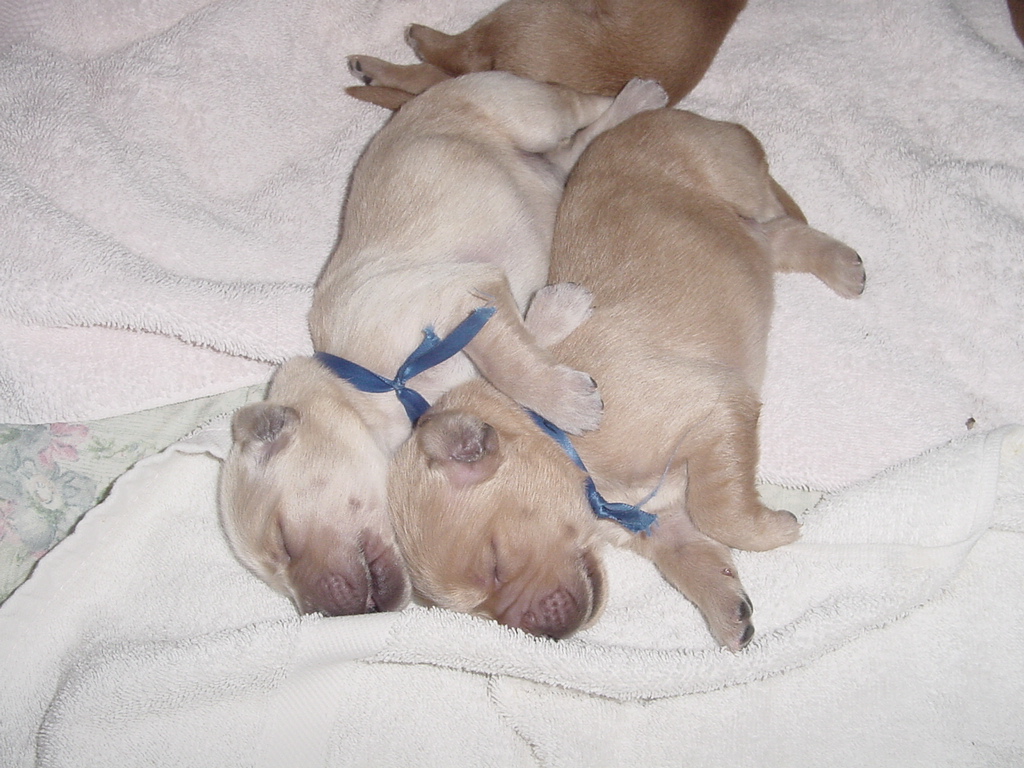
{"x":891,"y":627}
{"x":171,"y":176}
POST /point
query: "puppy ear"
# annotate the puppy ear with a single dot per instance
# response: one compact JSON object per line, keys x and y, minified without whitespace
{"x":264,"y":428}
{"x":381,"y":95}
{"x":461,"y":444}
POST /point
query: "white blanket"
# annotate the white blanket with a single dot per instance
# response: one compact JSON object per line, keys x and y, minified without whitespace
{"x":171,"y":176}
{"x":888,"y":636}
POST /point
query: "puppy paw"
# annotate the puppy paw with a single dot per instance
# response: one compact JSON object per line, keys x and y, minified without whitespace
{"x":703,"y":570}
{"x":640,"y":95}
{"x":412,"y":35}
{"x":556,"y":311}
{"x":770,"y":528}
{"x":796,"y":247}
{"x":576,"y":406}
{"x":730,"y":620}
{"x":756,"y":529}
{"x":843,"y":271}
{"x":423,"y":40}
{"x":365,"y":68}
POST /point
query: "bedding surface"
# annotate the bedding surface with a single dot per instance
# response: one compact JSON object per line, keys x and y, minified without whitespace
{"x":171,"y":177}
{"x":889,"y":628}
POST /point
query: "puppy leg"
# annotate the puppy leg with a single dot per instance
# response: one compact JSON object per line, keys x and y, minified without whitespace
{"x":454,"y":54}
{"x":553,"y":120}
{"x":411,"y":78}
{"x":539,"y":118}
{"x":390,"y":85}
{"x":507,"y":355}
{"x":556,"y":311}
{"x":635,"y":97}
{"x":720,"y":495}
{"x":796,"y":247}
{"x":703,"y":570}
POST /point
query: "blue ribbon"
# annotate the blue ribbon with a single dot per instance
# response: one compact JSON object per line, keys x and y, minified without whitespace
{"x":431,"y":351}
{"x":629,"y":517}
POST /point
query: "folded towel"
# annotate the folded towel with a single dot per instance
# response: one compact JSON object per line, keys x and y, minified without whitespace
{"x":140,"y":640}
{"x":171,"y":176}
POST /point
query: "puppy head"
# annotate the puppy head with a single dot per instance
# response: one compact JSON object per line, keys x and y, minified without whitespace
{"x":303,"y":498}
{"x":492,"y":519}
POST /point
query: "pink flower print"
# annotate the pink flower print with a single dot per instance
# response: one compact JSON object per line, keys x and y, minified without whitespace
{"x":62,"y":446}
{"x":76,"y":432}
{"x":6,"y":518}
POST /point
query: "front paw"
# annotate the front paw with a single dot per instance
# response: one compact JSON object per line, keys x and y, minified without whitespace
{"x":844,"y":273}
{"x":365,"y":69}
{"x":556,"y":311}
{"x":577,"y":406}
{"x":639,"y":95}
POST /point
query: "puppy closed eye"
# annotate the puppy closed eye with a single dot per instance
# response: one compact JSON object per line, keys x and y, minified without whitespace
{"x":495,"y":565}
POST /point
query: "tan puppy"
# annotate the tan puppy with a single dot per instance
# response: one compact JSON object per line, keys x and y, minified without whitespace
{"x":593,"y":46}
{"x":451,"y":208}
{"x":675,"y":225}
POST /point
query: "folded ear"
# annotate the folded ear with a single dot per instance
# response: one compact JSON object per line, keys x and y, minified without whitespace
{"x":462,"y":445}
{"x":264,"y":428}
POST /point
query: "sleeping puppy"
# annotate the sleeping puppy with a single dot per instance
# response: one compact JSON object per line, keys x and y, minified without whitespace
{"x":593,"y":46}
{"x":449,"y":215}
{"x":675,"y":225}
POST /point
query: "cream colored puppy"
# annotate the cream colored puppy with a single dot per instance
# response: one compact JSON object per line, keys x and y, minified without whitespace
{"x":451,"y":210}
{"x":675,"y":225}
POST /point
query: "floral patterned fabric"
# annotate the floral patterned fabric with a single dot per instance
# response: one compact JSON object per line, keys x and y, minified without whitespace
{"x":52,"y":474}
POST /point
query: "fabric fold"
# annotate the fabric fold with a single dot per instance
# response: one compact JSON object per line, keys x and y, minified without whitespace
{"x":142,"y":629}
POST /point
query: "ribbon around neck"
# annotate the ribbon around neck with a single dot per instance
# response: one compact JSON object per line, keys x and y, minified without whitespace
{"x":629,"y":517}
{"x":431,"y":351}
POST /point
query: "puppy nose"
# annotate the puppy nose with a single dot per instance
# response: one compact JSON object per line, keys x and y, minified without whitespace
{"x":334,"y":593}
{"x":370,"y":577}
{"x":556,"y":614}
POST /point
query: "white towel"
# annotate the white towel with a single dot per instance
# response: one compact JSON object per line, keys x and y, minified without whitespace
{"x":171,"y":177}
{"x":140,"y":640}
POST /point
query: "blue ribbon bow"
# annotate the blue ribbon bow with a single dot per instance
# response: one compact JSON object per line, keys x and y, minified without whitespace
{"x":431,"y":351}
{"x":629,"y":517}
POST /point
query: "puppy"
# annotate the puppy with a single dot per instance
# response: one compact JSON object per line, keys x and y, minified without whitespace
{"x":1016,"y":8}
{"x":451,"y":210}
{"x":593,"y":46}
{"x":675,"y":225}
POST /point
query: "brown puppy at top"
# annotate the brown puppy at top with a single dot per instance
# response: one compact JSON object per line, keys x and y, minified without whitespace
{"x":675,"y":225}
{"x":450,"y":212}
{"x":593,"y":46}
{"x":1016,"y":8}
